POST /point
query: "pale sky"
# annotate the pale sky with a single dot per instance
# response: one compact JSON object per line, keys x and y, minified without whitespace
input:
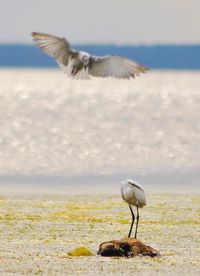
{"x":102,"y":21}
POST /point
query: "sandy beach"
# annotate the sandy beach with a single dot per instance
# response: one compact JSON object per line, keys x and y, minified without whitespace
{"x":37,"y":231}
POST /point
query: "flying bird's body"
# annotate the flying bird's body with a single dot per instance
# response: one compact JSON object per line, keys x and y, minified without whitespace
{"x":79,"y":64}
{"x":134,"y":195}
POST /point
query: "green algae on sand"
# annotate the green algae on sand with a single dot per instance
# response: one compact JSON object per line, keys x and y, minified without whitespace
{"x":38,"y":231}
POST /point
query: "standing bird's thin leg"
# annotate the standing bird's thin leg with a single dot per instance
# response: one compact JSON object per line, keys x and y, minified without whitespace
{"x":133,"y":219}
{"x":137,"y":222}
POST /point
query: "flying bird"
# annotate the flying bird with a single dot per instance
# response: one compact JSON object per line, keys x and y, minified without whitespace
{"x":81,"y":65}
{"x":134,"y":195}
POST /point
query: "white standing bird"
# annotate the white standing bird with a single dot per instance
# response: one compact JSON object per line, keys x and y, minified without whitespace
{"x":134,"y":195}
{"x":81,"y":65}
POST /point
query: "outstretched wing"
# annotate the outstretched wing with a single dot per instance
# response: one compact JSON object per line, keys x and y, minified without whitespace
{"x":115,"y":66}
{"x":59,"y":48}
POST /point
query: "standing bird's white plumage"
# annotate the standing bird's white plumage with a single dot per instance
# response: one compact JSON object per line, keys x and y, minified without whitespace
{"x":134,"y":195}
{"x":81,"y":64}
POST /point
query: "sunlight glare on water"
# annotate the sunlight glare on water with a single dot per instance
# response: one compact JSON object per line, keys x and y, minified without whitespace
{"x":53,"y":125}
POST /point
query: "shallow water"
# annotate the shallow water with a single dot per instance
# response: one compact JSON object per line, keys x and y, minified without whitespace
{"x":55,"y":128}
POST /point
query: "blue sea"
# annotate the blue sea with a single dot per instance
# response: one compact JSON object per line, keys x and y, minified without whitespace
{"x":182,"y":57}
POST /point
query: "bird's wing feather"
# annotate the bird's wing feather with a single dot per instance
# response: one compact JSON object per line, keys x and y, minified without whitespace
{"x":115,"y":66}
{"x":138,"y":195}
{"x":59,"y":48}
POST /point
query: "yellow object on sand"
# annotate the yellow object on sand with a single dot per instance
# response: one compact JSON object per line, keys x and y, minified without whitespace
{"x":80,"y":251}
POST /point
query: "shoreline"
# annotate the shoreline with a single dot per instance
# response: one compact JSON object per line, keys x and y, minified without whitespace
{"x":174,"y":182}
{"x":88,"y":189}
